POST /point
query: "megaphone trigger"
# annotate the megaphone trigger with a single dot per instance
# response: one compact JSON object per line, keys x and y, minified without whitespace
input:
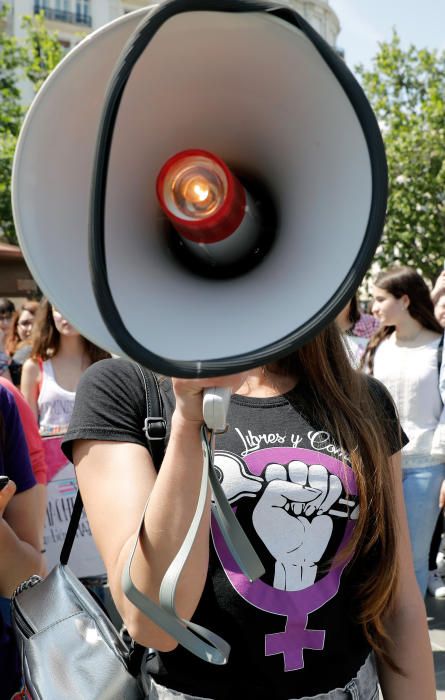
{"x":215,"y":406}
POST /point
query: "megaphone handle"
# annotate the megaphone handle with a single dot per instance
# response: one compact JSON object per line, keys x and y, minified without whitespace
{"x":215,"y":406}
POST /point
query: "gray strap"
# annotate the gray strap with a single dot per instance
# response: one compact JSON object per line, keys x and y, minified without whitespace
{"x":199,"y":640}
{"x":234,"y":535}
{"x":167,"y":589}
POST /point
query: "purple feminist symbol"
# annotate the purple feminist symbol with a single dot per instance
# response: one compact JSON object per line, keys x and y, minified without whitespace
{"x":295,"y":605}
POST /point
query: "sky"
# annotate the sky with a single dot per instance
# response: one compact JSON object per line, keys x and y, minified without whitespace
{"x":366,"y":22}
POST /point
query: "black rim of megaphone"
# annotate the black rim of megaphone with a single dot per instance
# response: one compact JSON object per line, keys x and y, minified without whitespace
{"x":137,"y":43}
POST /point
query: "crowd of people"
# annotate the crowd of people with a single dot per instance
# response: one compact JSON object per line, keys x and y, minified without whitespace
{"x":43,"y":358}
{"x":374,"y":382}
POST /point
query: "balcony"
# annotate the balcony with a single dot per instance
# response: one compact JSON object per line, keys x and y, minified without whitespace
{"x":63,"y":15}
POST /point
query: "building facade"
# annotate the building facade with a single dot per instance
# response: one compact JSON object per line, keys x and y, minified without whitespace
{"x":72,"y":19}
{"x":320,"y":16}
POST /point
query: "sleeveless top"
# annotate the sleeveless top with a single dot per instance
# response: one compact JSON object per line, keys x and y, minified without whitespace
{"x":417,"y":385}
{"x":55,"y":403}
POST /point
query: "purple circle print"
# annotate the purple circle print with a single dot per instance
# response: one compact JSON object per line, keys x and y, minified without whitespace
{"x":277,"y":511}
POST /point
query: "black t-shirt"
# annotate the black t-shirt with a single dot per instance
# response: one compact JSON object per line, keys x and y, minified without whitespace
{"x":293,"y":633}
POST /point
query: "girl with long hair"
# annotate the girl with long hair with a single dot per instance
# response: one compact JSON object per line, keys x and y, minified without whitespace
{"x":7,"y":309}
{"x":405,"y":355}
{"x":311,"y":462}
{"x":59,"y":356}
{"x":21,"y":326}
{"x":18,"y":338}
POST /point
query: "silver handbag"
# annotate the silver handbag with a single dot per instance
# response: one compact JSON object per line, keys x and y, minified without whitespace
{"x":68,"y":646}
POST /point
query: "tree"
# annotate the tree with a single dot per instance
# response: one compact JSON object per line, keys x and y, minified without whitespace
{"x":407,"y":91}
{"x":11,"y":113}
{"x":42,"y":50}
{"x":32,"y":59}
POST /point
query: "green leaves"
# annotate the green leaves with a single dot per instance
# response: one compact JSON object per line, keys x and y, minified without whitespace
{"x":407,"y":91}
{"x":31,"y":59}
{"x":42,"y":50}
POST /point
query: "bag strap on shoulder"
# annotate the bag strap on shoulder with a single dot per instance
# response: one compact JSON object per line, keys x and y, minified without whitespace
{"x":154,"y":428}
{"x":155,"y":424}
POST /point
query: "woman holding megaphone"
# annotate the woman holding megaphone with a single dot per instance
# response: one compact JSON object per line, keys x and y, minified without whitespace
{"x":310,"y":463}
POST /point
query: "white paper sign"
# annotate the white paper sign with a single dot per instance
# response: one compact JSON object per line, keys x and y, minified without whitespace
{"x":62,"y":488}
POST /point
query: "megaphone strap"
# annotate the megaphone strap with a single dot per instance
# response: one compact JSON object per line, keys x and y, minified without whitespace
{"x":200,"y":641}
{"x":167,"y":589}
{"x":234,"y":536}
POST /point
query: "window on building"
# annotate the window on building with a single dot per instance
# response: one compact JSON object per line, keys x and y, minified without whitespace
{"x":83,"y":11}
{"x":62,"y":7}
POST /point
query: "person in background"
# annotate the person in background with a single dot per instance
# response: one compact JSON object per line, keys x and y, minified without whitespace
{"x":404,"y":355}
{"x":21,"y":533}
{"x":18,"y":338}
{"x":7,"y":309}
{"x":356,"y":327}
{"x":366,"y":325}
{"x":308,"y":439}
{"x":59,"y":357}
{"x":34,"y":443}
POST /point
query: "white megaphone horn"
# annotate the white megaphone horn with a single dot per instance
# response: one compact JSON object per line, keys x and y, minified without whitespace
{"x":253,"y":85}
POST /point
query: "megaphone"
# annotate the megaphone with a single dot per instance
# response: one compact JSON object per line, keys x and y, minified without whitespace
{"x":254,"y":85}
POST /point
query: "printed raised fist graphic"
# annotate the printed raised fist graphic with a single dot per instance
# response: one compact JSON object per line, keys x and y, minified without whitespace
{"x":291,"y":517}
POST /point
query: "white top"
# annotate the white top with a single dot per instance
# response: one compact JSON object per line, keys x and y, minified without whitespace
{"x":54,"y":402}
{"x":411,"y":376}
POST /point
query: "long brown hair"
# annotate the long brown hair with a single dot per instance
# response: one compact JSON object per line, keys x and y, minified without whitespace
{"x":12,"y":340}
{"x":399,"y":281}
{"x":353,"y":311}
{"x":343,"y":400}
{"x":46,"y":337}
